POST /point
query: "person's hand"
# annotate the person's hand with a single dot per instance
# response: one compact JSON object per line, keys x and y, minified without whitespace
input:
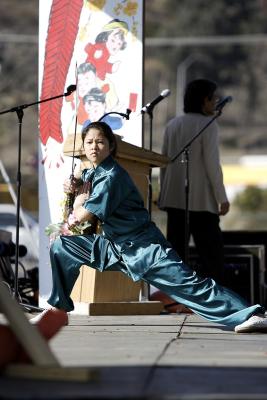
{"x":224,"y":208}
{"x":70,"y":185}
{"x":80,"y":199}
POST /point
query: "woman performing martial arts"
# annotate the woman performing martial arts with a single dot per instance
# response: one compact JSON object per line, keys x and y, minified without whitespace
{"x":131,"y":243}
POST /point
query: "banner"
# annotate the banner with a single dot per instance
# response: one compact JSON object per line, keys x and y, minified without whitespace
{"x":96,"y":46}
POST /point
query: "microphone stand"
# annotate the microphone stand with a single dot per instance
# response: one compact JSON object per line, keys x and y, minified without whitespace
{"x":126,"y":116}
{"x":145,"y":291}
{"x":185,"y":152}
{"x":20,"y":113}
{"x":149,"y":111}
{"x":146,"y":288}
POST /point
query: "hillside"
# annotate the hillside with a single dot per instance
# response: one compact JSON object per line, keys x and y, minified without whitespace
{"x":19,"y":85}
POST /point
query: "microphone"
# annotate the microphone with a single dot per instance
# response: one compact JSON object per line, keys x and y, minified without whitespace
{"x":128,"y":112}
{"x":150,"y":106}
{"x":126,"y":116}
{"x":70,"y":89}
{"x":223,"y":102}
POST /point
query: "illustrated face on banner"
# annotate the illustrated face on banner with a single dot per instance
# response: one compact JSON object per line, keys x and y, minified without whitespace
{"x":95,"y":109}
{"x":115,"y":42}
{"x":86,"y":79}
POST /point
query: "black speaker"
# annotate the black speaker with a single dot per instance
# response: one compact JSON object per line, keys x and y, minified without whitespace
{"x":241,"y":273}
{"x":244,"y":270}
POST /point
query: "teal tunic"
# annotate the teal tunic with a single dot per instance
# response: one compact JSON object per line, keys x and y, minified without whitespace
{"x":125,"y":222}
{"x":131,"y":243}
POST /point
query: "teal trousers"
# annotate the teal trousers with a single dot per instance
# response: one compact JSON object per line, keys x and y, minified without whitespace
{"x":170,"y":275}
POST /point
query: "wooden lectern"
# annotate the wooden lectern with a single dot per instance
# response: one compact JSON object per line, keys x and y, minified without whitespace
{"x":113,"y":293}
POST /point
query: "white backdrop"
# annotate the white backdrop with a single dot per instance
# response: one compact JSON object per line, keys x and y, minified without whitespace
{"x":97,"y":45}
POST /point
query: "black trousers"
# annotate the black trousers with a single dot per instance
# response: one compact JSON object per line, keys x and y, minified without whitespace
{"x":205,"y":230}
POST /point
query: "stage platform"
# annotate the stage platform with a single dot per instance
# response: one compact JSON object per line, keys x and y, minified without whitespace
{"x":177,"y":356}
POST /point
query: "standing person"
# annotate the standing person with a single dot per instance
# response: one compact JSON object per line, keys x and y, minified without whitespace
{"x":207,"y":196}
{"x":131,"y":243}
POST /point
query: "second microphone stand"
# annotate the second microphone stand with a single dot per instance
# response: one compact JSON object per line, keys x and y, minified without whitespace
{"x":20,"y":113}
{"x":126,"y":116}
{"x":149,"y":111}
{"x":185,"y":152}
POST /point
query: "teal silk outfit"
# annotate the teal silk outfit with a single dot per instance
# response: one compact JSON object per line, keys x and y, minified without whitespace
{"x":131,"y":243}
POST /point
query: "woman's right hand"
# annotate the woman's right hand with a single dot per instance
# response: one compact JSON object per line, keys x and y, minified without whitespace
{"x":70,"y":185}
{"x":224,"y":208}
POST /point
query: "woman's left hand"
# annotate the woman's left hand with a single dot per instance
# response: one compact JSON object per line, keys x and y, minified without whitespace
{"x":80,"y":199}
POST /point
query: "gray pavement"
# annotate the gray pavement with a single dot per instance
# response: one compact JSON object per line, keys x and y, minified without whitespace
{"x":176,"y":356}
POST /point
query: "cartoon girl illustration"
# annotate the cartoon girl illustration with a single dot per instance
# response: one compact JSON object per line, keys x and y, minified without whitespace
{"x":107,"y":43}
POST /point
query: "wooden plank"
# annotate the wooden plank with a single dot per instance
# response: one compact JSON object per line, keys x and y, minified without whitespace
{"x":104,"y":286}
{"x":74,"y":374}
{"x":125,"y":151}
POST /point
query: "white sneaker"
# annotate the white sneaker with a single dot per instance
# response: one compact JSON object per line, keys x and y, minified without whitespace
{"x":38,"y":317}
{"x":256,"y":323}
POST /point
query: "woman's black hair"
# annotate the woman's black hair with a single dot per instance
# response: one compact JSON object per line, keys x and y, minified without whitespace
{"x":195,"y":93}
{"x":106,"y":131}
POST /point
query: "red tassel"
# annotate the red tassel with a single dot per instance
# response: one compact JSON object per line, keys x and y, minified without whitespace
{"x":62,"y":31}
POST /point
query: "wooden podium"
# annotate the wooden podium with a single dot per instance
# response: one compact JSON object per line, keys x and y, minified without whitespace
{"x":113,"y":293}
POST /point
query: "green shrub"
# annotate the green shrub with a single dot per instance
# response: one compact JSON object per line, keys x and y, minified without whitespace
{"x":252,"y":198}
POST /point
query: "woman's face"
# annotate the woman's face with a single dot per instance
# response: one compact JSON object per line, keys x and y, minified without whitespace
{"x":96,"y":146}
{"x":209,"y":104}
